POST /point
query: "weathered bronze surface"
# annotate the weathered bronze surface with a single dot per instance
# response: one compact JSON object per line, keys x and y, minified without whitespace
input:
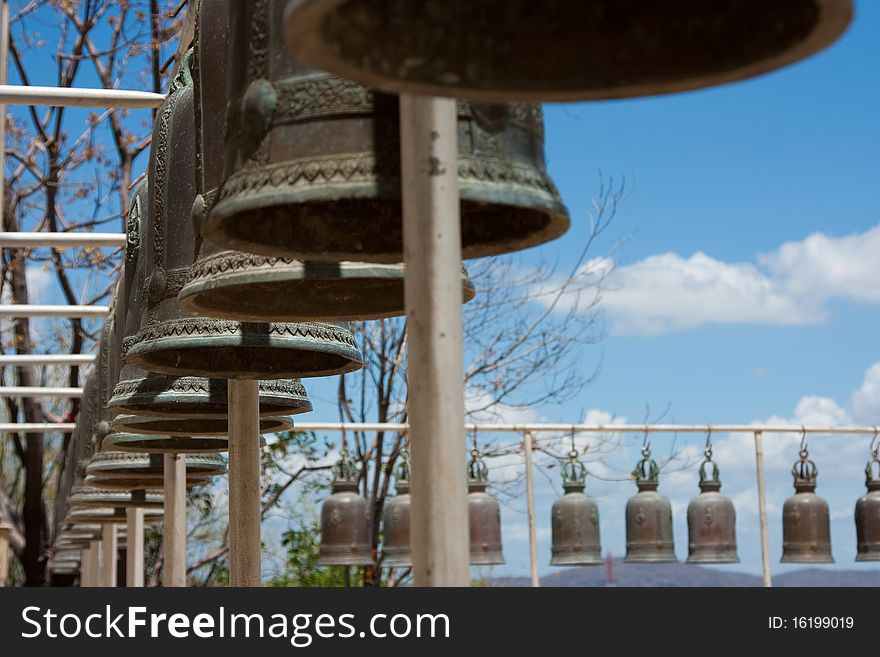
{"x":172,"y":341}
{"x":345,"y":526}
{"x":806,"y":525}
{"x":248,"y":287}
{"x":187,"y":399}
{"x":107,"y":515}
{"x":575,"y":520}
{"x":711,"y":520}
{"x":313,"y":164}
{"x":185,"y":428}
{"x":484,"y":516}
{"x":648,"y":518}
{"x":868,"y":514}
{"x":396,"y":551}
{"x":85,"y":497}
{"x":557,"y":50}
{"x":165,"y":444}
{"x":130,"y":471}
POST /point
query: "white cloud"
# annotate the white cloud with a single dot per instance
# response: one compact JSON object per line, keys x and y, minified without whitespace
{"x":790,"y":286}
{"x":866,"y":400}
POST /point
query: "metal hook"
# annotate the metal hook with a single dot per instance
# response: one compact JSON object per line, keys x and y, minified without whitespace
{"x":573,"y":448}
{"x":875,"y":444}
{"x":803,"y":451}
{"x":708,"y":451}
{"x":646,"y":446}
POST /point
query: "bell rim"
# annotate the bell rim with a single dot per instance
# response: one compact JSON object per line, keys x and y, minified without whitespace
{"x":645,"y":559}
{"x":164,"y":444}
{"x":479,"y":560}
{"x":697,"y":560}
{"x":304,"y":37}
{"x":190,"y":427}
{"x":796,"y":559}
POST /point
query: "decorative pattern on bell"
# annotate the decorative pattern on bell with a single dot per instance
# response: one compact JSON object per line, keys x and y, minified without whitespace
{"x":711,"y":519}
{"x":182,"y":403}
{"x":82,"y":497}
{"x":128,"y":471}
{"x":868,"y":513}
{"x":345,"y":524}
{"x":648,"y":517}
{"x":248,"y":287}
{"x":484,"y":516}
{"x":575,"y":520}
{"x":172,"y":341}
{"x":108,"y":515}
{"x":806,"y":525}
{"x":557,"y":50}
{"x":396,"y":550}
{"x":313,"y":164}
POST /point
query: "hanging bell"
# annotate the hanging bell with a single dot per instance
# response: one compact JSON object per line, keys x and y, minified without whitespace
{"x":247,"y":287}
{"x":868,"y":514}
{"x":806,"y":526}
{"x":557,"y":50}
{"x":129,"y":471}
{"x":172,"y":341}
{"x":575,"y":520}
{"x":83,"y":497}
{"x":648,"y":517}
{"x":396,"y":551}
{"x":313,"y":162}
{"x":484,"y":516}
{"x":345,"y":525}
{"x":192,"y":410}
{"x":711,"y":520}
{"x":109,"y":515}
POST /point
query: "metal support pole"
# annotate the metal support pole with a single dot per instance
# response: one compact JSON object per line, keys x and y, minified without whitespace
{"x":5,"y":531}
{"x":174,"y":538}
{"x":94,"y":559}
{"x":85,"y":567}
{"x":762,"y":509}
{"x":432,"y":255}
{"x":245,"y":567}
{"x":530,"y":501}
{"x":134,"y":547}
{"x":109,"y":549}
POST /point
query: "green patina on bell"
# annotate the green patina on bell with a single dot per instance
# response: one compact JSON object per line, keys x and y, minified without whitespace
{"x":575,"y":520}
{"x":557,"y":50}
{"x":345,"y":524}
{"x":313,"y":162}
{"x":711,"y":519}
{"x":127,"y":470}
{"x":181,"y":403}
{"x":648,"y":517}
{"x":396,"y":550}
{"x":484,"y":516}
{"x":172,"y":341}
{"x":868,"y":513}
{"x":182,"y":428}
{"x":248,"y":287}
{"x":806,"y":524}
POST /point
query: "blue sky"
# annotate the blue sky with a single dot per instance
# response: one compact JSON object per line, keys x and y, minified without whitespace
{"x":746,"y":289}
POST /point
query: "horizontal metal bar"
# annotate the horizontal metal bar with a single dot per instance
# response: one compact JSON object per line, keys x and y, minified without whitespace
{"x":37,"y":427}
{"x":19,"y":240}
{"x":37,"y":391}
{"x":596,"y":428}
{"x":29,"y":310}
{"x":46,"y":359}
{"x":11,"y":94}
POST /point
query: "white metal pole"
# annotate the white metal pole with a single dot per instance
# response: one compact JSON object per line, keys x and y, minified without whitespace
{"x":432,"y":255}
{"x":134,"y":547}
{"x":762,"y":509}
{"x":46,"y":359}
{"x":35,"y":310}
{"x":245,"y":561}
{"x":71,"y":97}
{"x":60,"y":240}
{"x":174,"y":536}
{"x":38,"y":391}
{"x":530,"y":502}
{"x":110,"y":554}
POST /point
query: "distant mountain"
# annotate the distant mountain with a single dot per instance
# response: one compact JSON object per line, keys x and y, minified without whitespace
{"x":684,"y":575}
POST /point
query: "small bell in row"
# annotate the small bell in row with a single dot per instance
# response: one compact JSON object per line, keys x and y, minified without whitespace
{"x":557,"y":50}
{"x":711,"y":519}
{"x":648,"y":517}
{"x":484,"y":516}
{"x":128,"y":471}
{"x":345,"y":525}
{"x":396,"y":550}
{"x":575,"y":520}
{"x":806,"y":525}
{"x":868,"y":512}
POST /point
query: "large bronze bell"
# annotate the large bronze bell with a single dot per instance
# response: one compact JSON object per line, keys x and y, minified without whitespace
{"x":165,"y":444}
{"x":868,"y":514}
{"x":172,"y":341}
{"x":345,"y":524}
{"x":109,"y":515}
{"x":484,"y":516}
{"x":575,"y":520}
{"x":648,"y":517}
{"x":313,"y":165}
{"x":396,"y":551}
{"x":557,"y":50}
{"x":711,"y":520}
{"x":248,"y":287}
{"x":190,"y":408}
{"x":128,"y":471}
{"x":82,"y":497}
{"x":806,"y":525}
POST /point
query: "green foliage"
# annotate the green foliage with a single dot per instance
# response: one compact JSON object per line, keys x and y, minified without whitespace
{"x":302,"y":567}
